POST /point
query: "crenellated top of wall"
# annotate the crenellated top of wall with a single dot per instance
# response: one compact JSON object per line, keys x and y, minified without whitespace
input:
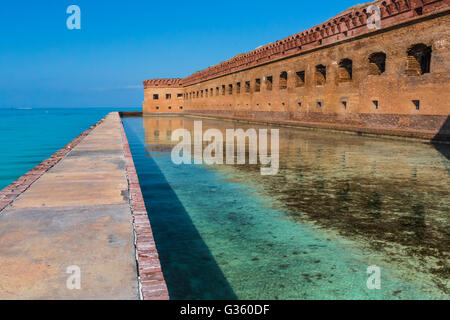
{"x":351,"y":23}
{"x":163,"y":83}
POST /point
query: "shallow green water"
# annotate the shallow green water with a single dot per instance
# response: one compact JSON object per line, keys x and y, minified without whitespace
{"x":29,"y":136}
{"x":339,"y":204}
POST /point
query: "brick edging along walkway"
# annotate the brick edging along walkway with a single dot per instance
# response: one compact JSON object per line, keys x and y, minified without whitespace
{"x":151,"y":279}
{"x":15,"y":189}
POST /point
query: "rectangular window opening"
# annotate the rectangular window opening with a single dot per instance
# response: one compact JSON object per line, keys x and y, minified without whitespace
{"x":319,"y":103}
{"x":376,"y":104}
{"x":257,"y":85}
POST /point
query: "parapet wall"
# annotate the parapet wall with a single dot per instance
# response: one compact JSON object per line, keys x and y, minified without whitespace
{"x":165,"y":83}
{"x":339,"y":73}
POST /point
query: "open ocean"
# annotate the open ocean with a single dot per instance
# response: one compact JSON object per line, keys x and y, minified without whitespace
{"x":29,"y":136}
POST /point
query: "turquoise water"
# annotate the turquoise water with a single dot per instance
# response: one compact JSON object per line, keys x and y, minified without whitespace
{"x":29,"y":136}
{"x":339,"y":204}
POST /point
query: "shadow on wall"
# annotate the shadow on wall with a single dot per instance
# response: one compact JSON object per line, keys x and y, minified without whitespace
{"x":442,"y":139}
{"x":189,"y":268}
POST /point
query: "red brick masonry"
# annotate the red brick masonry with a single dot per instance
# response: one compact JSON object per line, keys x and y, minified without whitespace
{"x":11,"y":192}
{"x":351,"y":23}
{"x":151,"y":278}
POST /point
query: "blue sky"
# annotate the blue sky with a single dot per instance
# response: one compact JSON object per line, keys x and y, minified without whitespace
{"x":121,"y":43}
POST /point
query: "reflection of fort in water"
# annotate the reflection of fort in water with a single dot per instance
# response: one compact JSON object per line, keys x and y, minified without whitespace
{"x":382,"y":193}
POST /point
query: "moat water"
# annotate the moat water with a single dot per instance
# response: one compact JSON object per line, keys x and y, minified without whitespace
{"x":29,"y":136}
{"x":340,"y":204}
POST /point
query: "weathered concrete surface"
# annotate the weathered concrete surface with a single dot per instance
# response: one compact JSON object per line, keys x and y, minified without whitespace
{"x":78,"y":213}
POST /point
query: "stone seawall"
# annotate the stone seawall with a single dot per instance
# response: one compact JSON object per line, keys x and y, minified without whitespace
{"x":151,"y":278}
{"x":82,"y":209}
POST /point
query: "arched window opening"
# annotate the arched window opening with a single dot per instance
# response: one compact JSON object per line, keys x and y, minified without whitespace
{"x":257,"y":85}
{"x":345,"y":70}
{"x":269,"y":83}
{"x":377,"y":63}
{"x":283,"y":80}
{"x":321,"y":75}
{"x":419,"y":60}
{"x":247,"y":86}
{"x":300,"y":78}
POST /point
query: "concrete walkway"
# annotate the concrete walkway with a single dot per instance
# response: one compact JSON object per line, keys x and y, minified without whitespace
{"x":76,"y":214}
